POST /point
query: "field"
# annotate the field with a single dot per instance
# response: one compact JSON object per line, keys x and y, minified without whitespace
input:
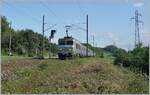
{"x":80,"y":75}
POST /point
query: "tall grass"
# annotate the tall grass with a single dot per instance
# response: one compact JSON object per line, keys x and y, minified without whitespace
{"x":86,"y":75}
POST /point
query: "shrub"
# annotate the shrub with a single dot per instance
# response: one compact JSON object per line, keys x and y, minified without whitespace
{"x":137,"y":59}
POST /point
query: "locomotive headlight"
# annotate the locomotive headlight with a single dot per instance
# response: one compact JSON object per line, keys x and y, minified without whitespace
{"x":60,"y":48}
{"x":70,"y":49}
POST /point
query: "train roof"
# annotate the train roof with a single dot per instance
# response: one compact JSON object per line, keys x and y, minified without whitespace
{"x":70,"y":37}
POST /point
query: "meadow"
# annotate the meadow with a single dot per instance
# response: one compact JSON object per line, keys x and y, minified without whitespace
{"x":80,"y":75}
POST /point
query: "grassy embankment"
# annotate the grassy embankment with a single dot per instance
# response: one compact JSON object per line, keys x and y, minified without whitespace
{"x":92,"y":75}
{"x":16,"y":57}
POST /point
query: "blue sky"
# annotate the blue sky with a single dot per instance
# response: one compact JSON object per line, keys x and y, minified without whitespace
{"x":109,"y":20}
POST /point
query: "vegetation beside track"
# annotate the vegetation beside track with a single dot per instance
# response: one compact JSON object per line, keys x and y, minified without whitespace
{"x":6,"y":58}
{"x":80,"y":75}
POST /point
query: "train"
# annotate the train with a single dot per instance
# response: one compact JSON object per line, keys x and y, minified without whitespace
{"x":69,"y":47}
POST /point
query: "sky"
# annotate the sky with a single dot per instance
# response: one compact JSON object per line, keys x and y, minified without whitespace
{"x":109,"y":20}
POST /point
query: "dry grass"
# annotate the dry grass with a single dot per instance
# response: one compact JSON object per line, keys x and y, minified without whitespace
{"x":86,"y":75}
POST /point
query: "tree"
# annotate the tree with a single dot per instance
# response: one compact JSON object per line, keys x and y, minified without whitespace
{"x":137,"y":59}
{"x":111,"y":48}
{"x":5,"y":34}
{"x":24,"y":42}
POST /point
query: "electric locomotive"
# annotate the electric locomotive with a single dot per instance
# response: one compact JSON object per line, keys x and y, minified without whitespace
{"x":69,"y":47}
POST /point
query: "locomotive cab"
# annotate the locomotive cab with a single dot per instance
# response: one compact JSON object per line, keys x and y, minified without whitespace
{"x":65,"y":47}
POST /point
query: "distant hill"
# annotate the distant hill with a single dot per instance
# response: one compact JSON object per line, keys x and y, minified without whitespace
{"x":110,"y":48}
{"x":113,"y":49}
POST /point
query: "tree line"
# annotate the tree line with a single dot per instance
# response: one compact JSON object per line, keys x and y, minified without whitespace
{"x":24,"y":42}
{"x":136,"y":60}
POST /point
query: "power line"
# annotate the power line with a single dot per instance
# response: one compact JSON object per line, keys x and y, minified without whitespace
{"x":77,"y":27}
{"x":74,"y":27}
{"x":87,"y":32}
{"x":24,"y":11}
{"x":59,"y":20}
{"x":53,"y":25}
{"x":81,"y":10}
{"x":52,"y":12}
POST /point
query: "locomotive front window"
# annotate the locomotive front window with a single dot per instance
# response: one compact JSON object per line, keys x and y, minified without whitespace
{"x":61,"y":42}
{"x":69,"y":42}
{"x":65,"y":42}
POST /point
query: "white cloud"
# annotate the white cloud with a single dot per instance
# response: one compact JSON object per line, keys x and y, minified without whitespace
{"x":145,"y":34}
{"x":112,"y":36}
{"x":138,"y":4}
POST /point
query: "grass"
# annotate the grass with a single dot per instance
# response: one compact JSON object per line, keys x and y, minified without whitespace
{"x":85,"y":75}
{"x":13,"y":57}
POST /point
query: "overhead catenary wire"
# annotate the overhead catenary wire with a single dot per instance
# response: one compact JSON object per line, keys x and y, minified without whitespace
{"x":78,"y":5}
{"x":51,"y":12}
{"x":82,"y":13}
{"x":24,"y":11}
{"x":77,"y":27}
{"x":27,"y":12}
{"x":87,"y":33}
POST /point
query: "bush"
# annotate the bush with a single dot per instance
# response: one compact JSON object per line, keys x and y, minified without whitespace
{"x":137,"y":59}
{"x":102,"y":55}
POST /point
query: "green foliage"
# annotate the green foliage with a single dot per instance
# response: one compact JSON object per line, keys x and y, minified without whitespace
{"x":137,"y":59}
{"x":5,"y":30}
{"x":111,"y":48}
{"x":99,"y":52}
{"x":101,"y":55}
{"x":24,"y":42}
